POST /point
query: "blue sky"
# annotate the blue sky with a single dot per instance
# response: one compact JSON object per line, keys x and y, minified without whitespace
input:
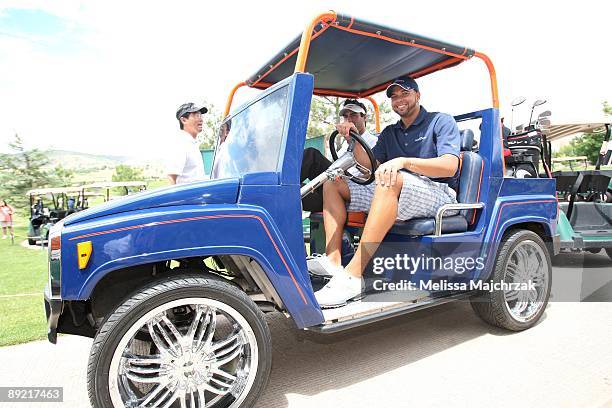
{"x":107,"y":76}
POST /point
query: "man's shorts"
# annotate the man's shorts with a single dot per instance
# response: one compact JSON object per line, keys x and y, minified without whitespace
{"x":420,"y":197}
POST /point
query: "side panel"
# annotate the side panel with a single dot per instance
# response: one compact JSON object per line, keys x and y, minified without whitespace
{"x":187,"y":231}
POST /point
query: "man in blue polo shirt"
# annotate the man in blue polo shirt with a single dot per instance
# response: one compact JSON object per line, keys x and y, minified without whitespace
{"x":417,"y":159}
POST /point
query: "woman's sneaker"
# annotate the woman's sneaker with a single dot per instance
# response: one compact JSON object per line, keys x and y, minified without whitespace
{"x":320,"y":265}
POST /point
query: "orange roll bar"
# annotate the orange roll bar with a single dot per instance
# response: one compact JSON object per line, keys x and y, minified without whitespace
{"x":494,"y":91}
{"x":300,"y":64}
{"x":230,"y":98}
{"x":376,"y":112}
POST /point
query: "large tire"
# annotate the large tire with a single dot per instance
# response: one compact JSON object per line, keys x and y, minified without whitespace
{"x":169,"y":338}
{"x":499,"y":307}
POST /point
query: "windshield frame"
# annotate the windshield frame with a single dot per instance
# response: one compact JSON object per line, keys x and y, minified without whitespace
{"x":282,"y":84}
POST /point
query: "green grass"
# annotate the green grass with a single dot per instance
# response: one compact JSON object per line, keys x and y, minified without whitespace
{"x":22,"y":271}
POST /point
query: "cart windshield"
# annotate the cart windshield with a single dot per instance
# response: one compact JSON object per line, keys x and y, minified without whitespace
{"x":250,"y":140}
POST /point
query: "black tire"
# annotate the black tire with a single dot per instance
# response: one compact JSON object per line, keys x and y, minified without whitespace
{"x":491,"y":306}
{"x":157,"y":294}
{"x":609,"y":252}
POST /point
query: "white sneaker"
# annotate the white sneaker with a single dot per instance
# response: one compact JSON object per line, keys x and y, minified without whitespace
{"x":339,"y":290}
{"x":320,"y":265}
{"x":4,"y":237}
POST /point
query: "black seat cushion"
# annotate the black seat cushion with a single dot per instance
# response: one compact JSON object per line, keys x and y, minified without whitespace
{"x":425,"y":226}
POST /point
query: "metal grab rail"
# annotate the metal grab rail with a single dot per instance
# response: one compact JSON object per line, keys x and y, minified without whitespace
{"x":447,"y":207}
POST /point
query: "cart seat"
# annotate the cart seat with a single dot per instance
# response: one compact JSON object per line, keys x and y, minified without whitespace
{"x":470,"y":168}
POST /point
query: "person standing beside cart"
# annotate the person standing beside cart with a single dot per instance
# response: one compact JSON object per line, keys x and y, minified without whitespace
{"x":6,"y":219}
{"x":184,"y":162}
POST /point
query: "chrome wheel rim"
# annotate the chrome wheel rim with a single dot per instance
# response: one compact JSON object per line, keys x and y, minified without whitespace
{"x":192,"y":352}
{"x":527,"y":265}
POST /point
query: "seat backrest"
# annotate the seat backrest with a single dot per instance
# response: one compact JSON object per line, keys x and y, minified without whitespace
{"x":470,"y":176}
{"x":467,"y":140}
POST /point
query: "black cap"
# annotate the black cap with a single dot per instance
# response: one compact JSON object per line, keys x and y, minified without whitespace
{"x":188,"y":108}
{"x":404,"y":82}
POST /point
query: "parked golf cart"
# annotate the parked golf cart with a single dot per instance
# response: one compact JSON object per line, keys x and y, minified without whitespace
{"x":527,"y":146}
{"x":48,"y":206}
{"x":104,"y":189}
{"x":173,"y":283}
{"x":585,"y":197}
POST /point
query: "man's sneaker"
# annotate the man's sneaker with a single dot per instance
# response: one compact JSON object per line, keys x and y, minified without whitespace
{"x":339,"y":290}
{"x":320,"y":265}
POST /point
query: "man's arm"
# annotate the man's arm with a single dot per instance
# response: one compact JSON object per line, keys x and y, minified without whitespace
{"x":360,"y":155}
{"x":443,"y":166}
{"x":172,"y":178}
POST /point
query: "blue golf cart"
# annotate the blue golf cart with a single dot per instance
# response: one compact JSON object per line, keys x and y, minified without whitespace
{"x":173,"y":283}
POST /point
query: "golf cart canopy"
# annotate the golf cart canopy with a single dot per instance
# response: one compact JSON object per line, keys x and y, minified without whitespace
{"x":55,"y":190}
{"x":556,"y":132}
{"x":339,"y":48}
{"x":355,"y":58}
{"x":113,"y":184}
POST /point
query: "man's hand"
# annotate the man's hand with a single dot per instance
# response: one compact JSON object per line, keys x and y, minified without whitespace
{"x":386,"y":174}
{"x":344,"y":128}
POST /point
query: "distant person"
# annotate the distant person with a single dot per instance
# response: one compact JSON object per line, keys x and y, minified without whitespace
{"x":183,"y":160}
{"x":6,"y":218}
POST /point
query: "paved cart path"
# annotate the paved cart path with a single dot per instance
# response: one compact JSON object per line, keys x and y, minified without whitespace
{"x":439,"y":357}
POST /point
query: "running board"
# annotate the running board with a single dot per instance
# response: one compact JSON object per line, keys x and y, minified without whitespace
{"x":360,"y":313}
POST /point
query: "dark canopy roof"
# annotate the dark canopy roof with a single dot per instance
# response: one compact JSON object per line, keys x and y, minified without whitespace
{"x":350,"y":56}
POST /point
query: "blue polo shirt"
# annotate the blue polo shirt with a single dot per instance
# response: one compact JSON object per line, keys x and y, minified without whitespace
{"x":432,"y":134}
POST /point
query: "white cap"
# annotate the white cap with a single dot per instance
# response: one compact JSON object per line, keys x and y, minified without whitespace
{"x":353,"y":108}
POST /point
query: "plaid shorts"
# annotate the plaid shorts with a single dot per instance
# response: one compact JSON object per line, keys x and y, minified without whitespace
{"x":420,"y":197}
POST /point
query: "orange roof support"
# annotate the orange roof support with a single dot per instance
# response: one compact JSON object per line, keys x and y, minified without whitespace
{"x":494,"y":91}
{"x":230,"y":98}
{"x":300,"y":64}
{"x":376,"y":112}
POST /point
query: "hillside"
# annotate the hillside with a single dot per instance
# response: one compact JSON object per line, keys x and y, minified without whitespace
{"x":82,"y":161}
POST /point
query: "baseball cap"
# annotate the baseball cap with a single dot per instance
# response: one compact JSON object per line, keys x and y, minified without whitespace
{"x":188,"y":108}
{"x":353,"y":105}
{"x":404,"y":82}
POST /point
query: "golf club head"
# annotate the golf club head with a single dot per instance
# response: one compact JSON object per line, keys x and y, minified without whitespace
{"x":517,"y":101}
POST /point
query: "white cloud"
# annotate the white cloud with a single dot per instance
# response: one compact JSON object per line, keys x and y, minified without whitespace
{"x":137,"y":61}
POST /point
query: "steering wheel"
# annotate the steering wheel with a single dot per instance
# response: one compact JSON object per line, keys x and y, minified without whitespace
{"x":355,"y":138}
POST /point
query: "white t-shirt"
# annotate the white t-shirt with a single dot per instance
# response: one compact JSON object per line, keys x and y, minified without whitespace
{"x":369,"y":138}
{"x":184,"y":159}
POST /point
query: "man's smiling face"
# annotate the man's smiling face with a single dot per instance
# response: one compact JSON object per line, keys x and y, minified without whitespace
{"x":403,"y":101}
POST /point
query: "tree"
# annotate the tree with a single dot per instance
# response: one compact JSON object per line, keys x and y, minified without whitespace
{"x":22,"y":170}
{"x":589,"y":144}
{"x":123,"y":172}
{"x":210,"y":127}
{"x":324,"y":113}
{"x":62,"y":176}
